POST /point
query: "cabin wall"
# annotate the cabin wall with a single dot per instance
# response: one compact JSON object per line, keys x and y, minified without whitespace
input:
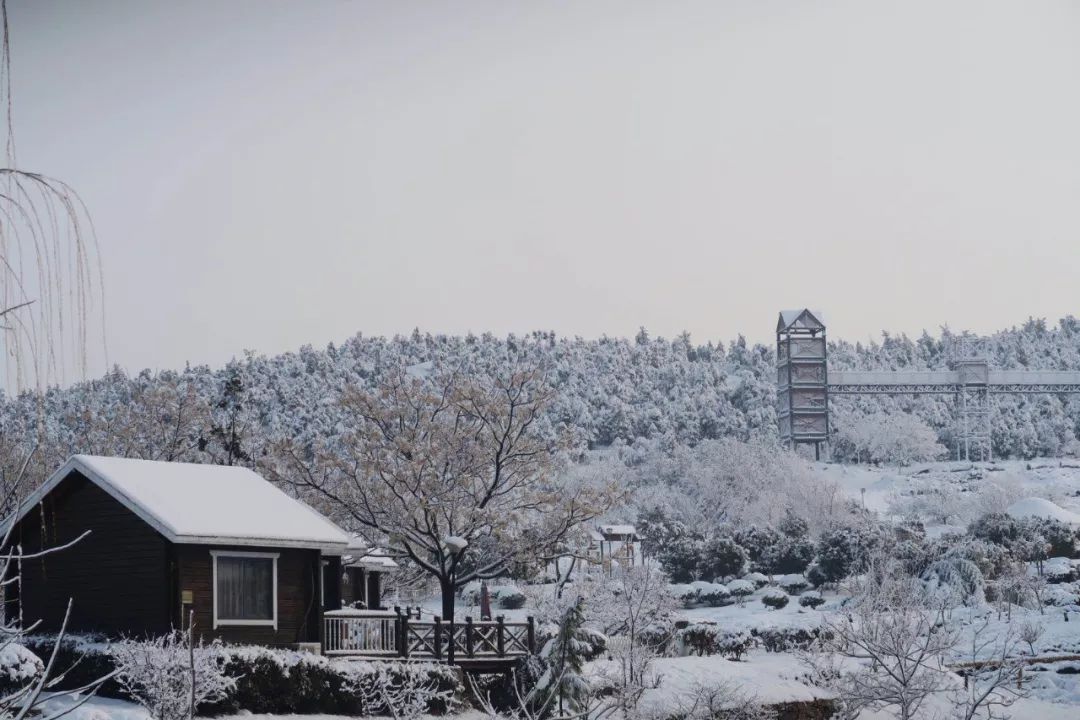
{"x":299,"y":615}
{"x":117,"y":576}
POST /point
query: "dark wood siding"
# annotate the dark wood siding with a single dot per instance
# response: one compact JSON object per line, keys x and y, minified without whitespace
{"x":297,"y":595}
{"x":117,"y":576}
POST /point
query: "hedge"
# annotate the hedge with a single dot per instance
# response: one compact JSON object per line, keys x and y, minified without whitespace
{"x":269,"y":681}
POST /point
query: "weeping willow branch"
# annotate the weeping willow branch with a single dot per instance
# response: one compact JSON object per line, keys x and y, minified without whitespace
{"x":50,"y":265}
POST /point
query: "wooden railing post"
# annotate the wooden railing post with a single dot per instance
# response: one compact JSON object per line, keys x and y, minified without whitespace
{"x":403,"y":634}
{"x":500,"y":635}
{"x":450,"y":643}
{"x":437,"y":639}
{"x":532,"y":635}
{"x":468,"y":636}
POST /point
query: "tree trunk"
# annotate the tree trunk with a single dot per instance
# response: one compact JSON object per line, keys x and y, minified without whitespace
{"x":446,"y":585}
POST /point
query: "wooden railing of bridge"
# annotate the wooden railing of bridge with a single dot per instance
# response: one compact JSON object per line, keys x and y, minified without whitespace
{"x":397,"y":634}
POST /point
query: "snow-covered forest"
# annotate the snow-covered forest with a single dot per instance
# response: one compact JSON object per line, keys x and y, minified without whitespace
{"x":648,"y":392}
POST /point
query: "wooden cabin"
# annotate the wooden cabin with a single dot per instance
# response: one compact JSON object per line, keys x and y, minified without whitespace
{"x":154,"y":542}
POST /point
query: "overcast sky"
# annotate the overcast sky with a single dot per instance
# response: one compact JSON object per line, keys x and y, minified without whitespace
{"x":265,"y":174}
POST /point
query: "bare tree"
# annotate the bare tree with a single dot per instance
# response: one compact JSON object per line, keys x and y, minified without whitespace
{"x":992,"y":674}
{"x":894,"y":638}
{"x":436,"y":467}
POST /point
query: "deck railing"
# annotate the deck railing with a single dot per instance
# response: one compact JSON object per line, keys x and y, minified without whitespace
{"x":398,"y":634}
{"x":360,"y":632}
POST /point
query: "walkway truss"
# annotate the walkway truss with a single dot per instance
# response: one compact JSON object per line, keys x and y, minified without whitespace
{"x":804,"y":384}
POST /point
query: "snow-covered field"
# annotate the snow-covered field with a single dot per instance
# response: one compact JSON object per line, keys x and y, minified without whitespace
{"x":1053,"y":480}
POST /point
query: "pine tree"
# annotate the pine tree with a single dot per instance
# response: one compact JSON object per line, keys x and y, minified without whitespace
{"x":566,"y":655}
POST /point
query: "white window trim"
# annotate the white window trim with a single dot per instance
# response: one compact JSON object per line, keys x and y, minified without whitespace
{"x":225,"y":622}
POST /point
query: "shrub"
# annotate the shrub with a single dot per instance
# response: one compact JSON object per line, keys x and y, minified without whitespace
{"x":793,"y":584}
{"x":775,"y":598}
{"x":721,"y":557}
{"x":811,"y":599}
{"x":685,"y":594}
{"x":790,"y":638}
{"x":1059,"y":536}
{"x":958,"y":580}
{"x":816,"y":576}
{"x":843,"y":551}
{"x":789,"y":555}
{"x":282,"y":682}
{"x":711,"y":639}
{"x":512,"y":600}
{"x":757,"y":579}
{"x":658,"y":636}
{"x":712,"y":594}
{"x":741,"y":588}
{"x":679,"y":558}
{"x":756,"y":541}
{"x":156,"y":674}
{"x":998,"y":528}
{"x":793,"y":526}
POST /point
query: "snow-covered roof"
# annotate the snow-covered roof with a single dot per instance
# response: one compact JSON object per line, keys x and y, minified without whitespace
{"x":361,"y":554}
{"x":609,"y":530}
{"x":203,"y":504}
{"x":788,"y":317}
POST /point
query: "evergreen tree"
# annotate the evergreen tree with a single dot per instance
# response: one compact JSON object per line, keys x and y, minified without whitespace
{"x":566,"y":654}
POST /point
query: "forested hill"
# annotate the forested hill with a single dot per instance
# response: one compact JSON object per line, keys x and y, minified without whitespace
{"x":610,"y":390}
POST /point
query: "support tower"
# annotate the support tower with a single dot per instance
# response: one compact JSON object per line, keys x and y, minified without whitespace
{"x":802,"y":389}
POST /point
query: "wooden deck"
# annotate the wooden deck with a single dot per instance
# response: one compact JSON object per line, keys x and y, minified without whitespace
{"x":483,"y":646}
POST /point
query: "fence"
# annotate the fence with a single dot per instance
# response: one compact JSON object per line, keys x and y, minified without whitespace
{"x":382,"y":634}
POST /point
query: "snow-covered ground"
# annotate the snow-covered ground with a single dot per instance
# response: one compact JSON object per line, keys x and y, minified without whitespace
{"x":1043,"y":487}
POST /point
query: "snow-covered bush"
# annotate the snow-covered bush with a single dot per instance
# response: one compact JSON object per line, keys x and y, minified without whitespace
{"x":712,"y":639}
{"x":685,"y":594}
{"x":169,"y":677}
{"x":785,"y":639}
{"x":844,"y":551}
{"x":401,"y":695}
{"x":512,"y":600}
{"x":758,"y":579}
{"x":816,"y":576}
{"x":711,"y":594}
{"x":775,"y":598}
{"x":956,"y":581}
{"x":1058,"y":570}
{"x":740,"y":589}
{"x":792,"y":584}
{"x":18,"y":664}
{"x":811,"y":599}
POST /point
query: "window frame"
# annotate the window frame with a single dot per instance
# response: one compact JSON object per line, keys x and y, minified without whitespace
{"x":227,"y":622}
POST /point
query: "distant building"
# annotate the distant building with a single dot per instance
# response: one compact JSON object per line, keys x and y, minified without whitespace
{"x":616,"y":545}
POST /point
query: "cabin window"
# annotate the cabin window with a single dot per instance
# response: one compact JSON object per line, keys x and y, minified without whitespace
{"x":245,"y":588}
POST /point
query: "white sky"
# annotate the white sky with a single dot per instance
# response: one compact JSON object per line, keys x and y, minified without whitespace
{"x":264,"y":174}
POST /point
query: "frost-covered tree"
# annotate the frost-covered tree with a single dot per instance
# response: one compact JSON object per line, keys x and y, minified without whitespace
{"x":721,"y":557}
{"x":435,"y":466}
{"x":895,"y":637}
